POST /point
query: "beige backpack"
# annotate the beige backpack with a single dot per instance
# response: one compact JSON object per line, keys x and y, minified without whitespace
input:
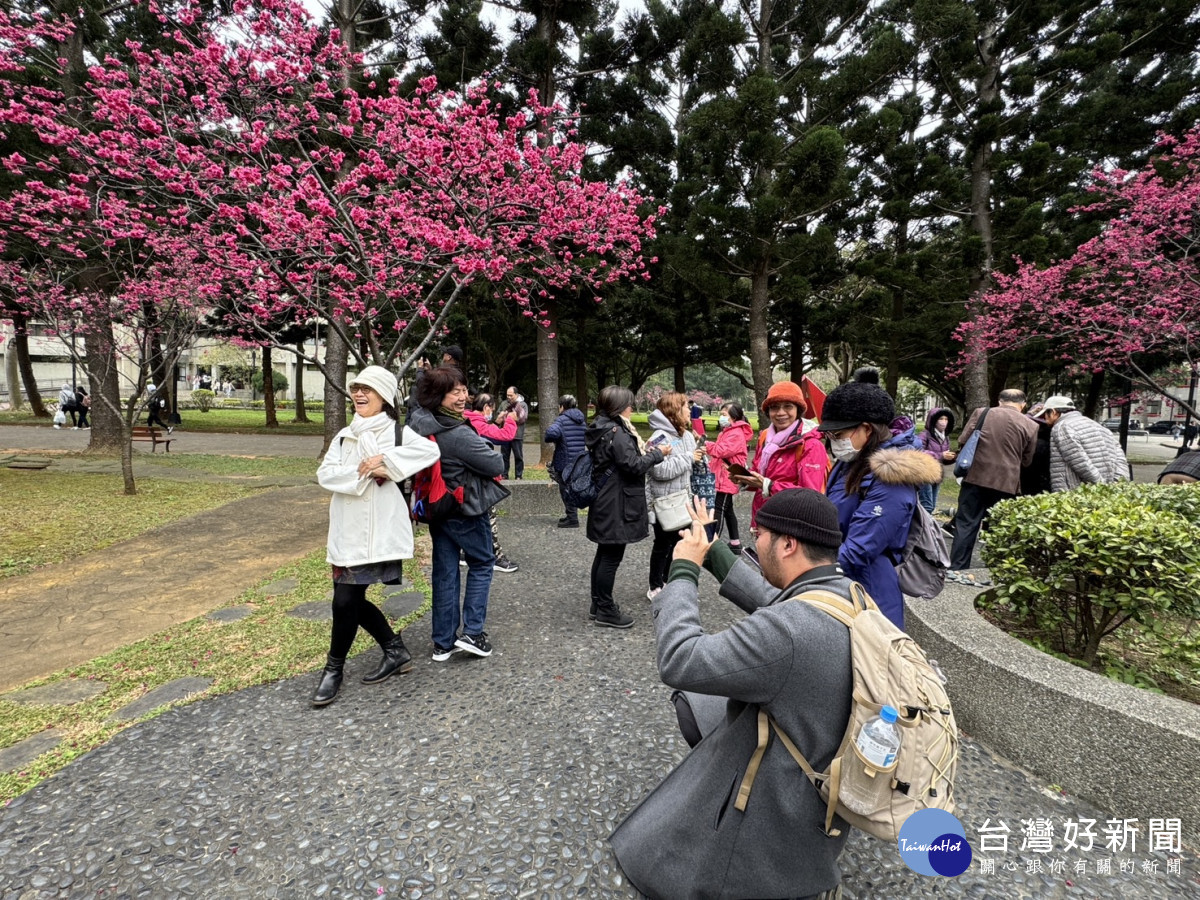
{"x":889,"y":669}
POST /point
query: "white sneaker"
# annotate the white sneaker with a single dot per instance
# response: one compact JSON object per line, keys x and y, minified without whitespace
{"x":58,"y":426}
{"x":74,"y":427}
{"x":652,"y":593}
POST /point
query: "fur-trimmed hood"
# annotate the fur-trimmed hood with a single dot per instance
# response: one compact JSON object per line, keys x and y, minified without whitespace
{"x":895,"y":466}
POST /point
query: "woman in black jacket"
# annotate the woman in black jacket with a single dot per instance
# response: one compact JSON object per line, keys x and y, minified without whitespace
{"x":618,"y":515}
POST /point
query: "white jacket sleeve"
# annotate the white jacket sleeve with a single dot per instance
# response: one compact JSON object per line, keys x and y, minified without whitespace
{"x":340,"y":476}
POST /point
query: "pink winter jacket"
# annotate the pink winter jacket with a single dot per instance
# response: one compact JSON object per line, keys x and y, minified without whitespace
{"x":800,"y":463}
{"x":489,"y":431}
{"x":731,"y":445}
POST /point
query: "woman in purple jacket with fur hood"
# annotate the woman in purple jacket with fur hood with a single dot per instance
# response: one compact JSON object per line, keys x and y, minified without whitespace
{"x":935,"y":440}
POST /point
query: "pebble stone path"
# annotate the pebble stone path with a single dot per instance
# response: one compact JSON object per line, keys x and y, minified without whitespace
{"x":497,"y":777}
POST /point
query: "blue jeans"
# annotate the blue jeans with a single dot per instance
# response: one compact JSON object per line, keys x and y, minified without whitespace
{"x":928,"y":496}
{"x":474,"y":537}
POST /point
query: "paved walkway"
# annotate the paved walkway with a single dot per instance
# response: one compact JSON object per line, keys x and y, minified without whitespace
{"x":499,"y":777}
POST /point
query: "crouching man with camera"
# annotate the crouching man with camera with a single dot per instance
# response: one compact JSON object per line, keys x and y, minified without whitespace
{"x":691,"y":836}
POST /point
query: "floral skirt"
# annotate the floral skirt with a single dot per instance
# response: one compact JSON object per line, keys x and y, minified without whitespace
{"x":389,"y":572}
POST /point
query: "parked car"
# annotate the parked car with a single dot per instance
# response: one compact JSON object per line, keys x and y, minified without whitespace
{"x":1162,"y":426}
{"x":1114,"y":424}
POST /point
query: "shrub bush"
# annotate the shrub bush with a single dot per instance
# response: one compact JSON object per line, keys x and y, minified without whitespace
{"x":203,"y":399}
{"x":278,"y":381}
{"x":1079,"y":565}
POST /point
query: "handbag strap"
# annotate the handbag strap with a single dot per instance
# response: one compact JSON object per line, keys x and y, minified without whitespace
{"x":979,"y":424}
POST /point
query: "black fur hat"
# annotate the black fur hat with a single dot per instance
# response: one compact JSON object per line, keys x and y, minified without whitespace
{"x":854,"y":403}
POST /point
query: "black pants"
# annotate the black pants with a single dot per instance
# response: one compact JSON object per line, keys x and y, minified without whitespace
{"x":83,"y":418}
{"x":723,"y":514}
{"x":604,"y":572}
{"x":571,"y":514}
{"x":516,"y":449}
{"x":973,"y":504}
{"x":351,"y":608}
{"x":660,"y":555}
{"x":153,"y":418}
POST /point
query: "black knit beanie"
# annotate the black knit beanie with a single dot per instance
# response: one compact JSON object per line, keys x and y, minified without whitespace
{"x":854,"y":403}
{"x":805,"y":514}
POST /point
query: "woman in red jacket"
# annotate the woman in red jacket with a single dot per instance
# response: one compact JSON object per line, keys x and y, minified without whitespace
{"x":731,"y":446}
{"x":791,"y":452}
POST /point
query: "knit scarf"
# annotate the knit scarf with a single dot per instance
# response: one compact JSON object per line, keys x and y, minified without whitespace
{"x":628,"y":426}
{"x":775,"y":439}
{"x":449,"y":413}
{"x":367,"y":430}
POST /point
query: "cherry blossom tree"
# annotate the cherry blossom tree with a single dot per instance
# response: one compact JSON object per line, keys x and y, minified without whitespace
{"x":1126,"y":300}
{"x":238,"y":145}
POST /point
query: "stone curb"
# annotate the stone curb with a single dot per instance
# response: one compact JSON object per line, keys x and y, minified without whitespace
{"x":1128,"y":750}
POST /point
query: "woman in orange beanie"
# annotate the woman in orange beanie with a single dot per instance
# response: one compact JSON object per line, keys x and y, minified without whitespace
{"x":790,"y":453}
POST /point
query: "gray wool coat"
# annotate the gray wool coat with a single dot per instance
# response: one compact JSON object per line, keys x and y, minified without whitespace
{"x":686,"y":839}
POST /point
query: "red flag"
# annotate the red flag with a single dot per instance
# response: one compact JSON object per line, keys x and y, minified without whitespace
{"x":814,"y":396}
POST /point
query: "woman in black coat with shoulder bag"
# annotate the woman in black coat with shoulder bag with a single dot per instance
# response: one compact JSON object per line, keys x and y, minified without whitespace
{"x":618,"y":516}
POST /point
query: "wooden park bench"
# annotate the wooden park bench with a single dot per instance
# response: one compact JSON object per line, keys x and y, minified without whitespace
{"x":154,"y":435}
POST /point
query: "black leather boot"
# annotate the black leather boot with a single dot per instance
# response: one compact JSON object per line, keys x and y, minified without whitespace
{"x":592,"y":610}
{"x":396,"y":658}
{"x":331,"y":680}
{"x":609,"y":615}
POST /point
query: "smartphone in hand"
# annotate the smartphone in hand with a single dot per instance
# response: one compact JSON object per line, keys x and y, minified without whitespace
{"x":750,"y":555}
{"x":710,"y":531}
{"x":737,"y":469}
{"x":656,"y":442}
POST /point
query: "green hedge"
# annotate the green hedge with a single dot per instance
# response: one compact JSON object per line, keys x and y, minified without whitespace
{"x":1078,"y":565}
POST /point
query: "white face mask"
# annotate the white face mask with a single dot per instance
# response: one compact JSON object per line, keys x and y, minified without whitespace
{"x":723,"y":421}
{"x":842,"y":449}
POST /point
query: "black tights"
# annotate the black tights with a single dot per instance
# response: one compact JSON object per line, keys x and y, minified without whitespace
{"x":604,"y":571}
{"x":724,"y":514}
{"x":351,"y":608}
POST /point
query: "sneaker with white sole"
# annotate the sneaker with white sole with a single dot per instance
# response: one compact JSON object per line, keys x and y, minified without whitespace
{"x":441,"y":654}
{"x":504,"y":564}
{"x":475,"y":643}
{"x":652,"y":593}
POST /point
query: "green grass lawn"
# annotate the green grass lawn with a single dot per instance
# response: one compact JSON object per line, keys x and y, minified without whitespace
{"x":232,"y":421}
{"x":63,"y":513}
{"x":266,"y":646}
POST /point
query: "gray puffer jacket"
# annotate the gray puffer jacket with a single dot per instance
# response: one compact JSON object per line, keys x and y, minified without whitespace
{"x":674,"y":473}
{"x":467,"y":460}
{"x":1083,"y":451}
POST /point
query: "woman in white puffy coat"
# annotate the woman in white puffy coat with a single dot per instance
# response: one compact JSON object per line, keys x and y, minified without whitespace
{"x":670,"y":423}
{"x":370,"y":533}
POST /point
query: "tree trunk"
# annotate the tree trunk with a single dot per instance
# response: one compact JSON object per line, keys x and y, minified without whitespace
{"x":301,"y":412}
{"x":797,"y":327}
{"x":760,"y":347}
{"x":269,"y":388}
{"x":581,"y":382}
{"x":547,"y":383}
{"x":335,"y":384}
{"x":988,"y":92}
{"x":679,"y":382}
{"x":25,"y":364}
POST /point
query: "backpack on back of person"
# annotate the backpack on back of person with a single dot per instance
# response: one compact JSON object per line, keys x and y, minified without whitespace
{"x":924,"y":561}
{"x":581,"y":483}
{"x":889,"y":670}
